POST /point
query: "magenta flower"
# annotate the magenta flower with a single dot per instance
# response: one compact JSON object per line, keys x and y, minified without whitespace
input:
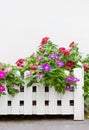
{"x":44,"y":41}
{"x":33,"y":67}
{"x":69,"y":78}
{"x":68,"y":87}
{"x":60,"y":63}
{"x":20,"y":62}
{"x":2,"y":88}
{"x":75,"y":79}
{"x":46,"y":67}
{"x":72,"y":79}
{"x":54,"y":56}
{"x":2,"y":75}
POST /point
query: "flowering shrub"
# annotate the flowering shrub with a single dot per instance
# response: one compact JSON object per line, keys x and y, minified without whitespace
{"x":10,"y":79}
{"x":86,"y":77}
{"x":51,"y":66}
{"x":86,"y":82}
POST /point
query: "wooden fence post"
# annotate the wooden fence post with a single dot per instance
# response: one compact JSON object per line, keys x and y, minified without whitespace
{"x":78,"y":95}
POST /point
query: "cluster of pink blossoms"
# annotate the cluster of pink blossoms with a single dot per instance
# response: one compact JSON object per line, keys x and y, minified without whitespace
{"x":3,"y":74}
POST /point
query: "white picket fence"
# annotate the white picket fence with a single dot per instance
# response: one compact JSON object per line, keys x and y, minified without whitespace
{"x":40,"y":100}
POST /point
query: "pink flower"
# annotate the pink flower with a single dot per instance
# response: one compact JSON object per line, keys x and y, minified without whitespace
{"x":2,"y":88}
{"x":44,"y":41}
{"x":9,"y":69}
{"x":39,"y":75}
{"x":72,"y":44}
{"x":2,"y":75}
{"x":60,"y":63}
{"x":42,"y":51}
{"x":63,"y":50}
{"x":20,"y":62}
{"x":39,"y":57}
{"x":85,"y":67}
{"x":69,"y":64}
{"x":66,"y":52}
{"x":2,"y":68}
{"x":16,"y":87}
{"x":33,"y":67}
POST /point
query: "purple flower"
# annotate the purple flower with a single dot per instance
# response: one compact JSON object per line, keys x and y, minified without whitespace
{"x":46,"y":67}
{"x":60,"y":63}
{"x":39,"y":75}
{"x":28,"y":73}
{"x":69,"y":78}
{"x":72,"y":79}
{"x":54,"y":56}
{"x":68,"y":87}
{"x":2,"y":75}
{"x":76,"y":79}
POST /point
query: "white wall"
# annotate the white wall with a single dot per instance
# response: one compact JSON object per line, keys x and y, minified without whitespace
{"x":24,"y":22}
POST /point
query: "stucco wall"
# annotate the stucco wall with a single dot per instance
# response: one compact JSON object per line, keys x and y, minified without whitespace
{"x":24,"y":22}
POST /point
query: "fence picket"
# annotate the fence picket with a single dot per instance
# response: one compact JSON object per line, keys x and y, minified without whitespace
{"x":42,"y":100}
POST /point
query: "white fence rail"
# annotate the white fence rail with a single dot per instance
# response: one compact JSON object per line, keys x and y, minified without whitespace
{"x":40,"y":100}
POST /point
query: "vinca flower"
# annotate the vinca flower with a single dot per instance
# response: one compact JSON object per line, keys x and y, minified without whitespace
{"x":86,"y":67}
{"x":2,"y":88}
{"x":54,"y":56}
{"x":27,"y":73}
{"x":33,"y":67}
{"x":20,"y":62}
{"x":2,"y":75}
{"x":46,"y":67}
{"x":71,"y":44}
{"x":9,"y":69}
{"x":72,"y":79}
{"x":16,"y":87}
{"x":39,"y":57}
{"x":68,"y":87}
{"x":44,"y":41}
{"x":39,"y":75}
{"x":69,"y":64}
{"x":63,"y":50}
{"x":60,"y":63}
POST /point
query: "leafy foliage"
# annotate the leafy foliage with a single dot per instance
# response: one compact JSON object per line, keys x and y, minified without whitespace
{"x":48,"y":66}
{"x":86,"y":82}
{"x":12,"y":81}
